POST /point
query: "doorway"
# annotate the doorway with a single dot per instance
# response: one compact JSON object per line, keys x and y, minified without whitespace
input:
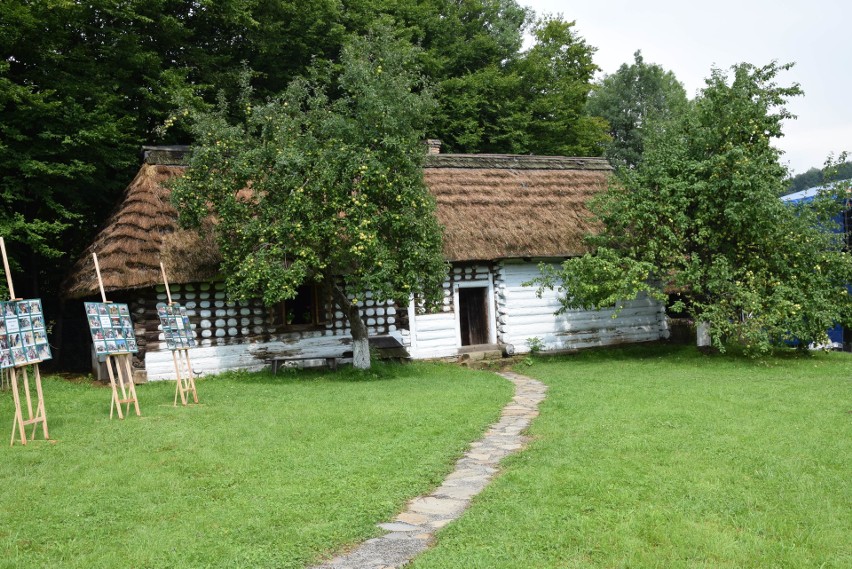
{"x":473,"y":315}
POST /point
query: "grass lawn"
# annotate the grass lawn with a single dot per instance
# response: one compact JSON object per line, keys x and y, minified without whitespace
{"x":270,"y":471}
{"x":656,"y":456}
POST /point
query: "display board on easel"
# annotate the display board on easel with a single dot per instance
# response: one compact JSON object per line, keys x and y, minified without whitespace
{"x":179,"y":337}
{"x":115,"y":342}
{"x":23,"y":344}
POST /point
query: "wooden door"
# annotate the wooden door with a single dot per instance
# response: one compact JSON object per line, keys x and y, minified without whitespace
{"x":473,"y":315}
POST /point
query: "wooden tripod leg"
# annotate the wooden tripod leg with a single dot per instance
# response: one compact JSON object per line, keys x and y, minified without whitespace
{"x":122,"y":381}
{"x":31,"y":419}
{"x":115,"y":400}
{"x":18,"y":422}
{"x":179,"y":389}
{"x":40,"y":412}
{"x":26,"y":379}
{"x":191,"y":377}
{"x":128,"y":370}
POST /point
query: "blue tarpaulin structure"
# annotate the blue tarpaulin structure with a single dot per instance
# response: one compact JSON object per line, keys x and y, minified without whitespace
{"x":837,"y":334}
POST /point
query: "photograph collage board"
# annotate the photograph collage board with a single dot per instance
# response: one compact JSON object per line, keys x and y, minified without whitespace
{"x":23,"y":334}
{"x":111,"y":328}
{"x":176,"y":328}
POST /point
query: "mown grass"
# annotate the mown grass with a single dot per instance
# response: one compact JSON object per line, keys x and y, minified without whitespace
{"x":269,"y":471}
{"x":655,"y":456}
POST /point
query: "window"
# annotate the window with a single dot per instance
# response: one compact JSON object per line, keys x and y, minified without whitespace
{"x":308,"y":309}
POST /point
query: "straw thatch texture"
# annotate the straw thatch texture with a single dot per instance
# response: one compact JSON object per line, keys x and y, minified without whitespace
{"x":497,"y":207}
{"x":140,"y":233}
{"x":492,"y":207}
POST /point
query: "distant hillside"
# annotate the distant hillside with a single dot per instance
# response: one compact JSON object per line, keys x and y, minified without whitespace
{"x":816,"y":177}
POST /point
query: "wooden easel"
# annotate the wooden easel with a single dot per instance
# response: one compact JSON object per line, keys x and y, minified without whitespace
{"x":40,"y":416}
{"x":119,"y":369}
{"x":183,"y":365}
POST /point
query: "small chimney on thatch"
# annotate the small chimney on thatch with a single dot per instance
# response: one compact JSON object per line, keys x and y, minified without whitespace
{"x":434,"y":146}
{"x":175,"y":155}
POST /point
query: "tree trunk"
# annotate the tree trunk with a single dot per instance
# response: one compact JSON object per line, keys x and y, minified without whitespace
{"x":702,"y":335}
{"x":360,"y":344}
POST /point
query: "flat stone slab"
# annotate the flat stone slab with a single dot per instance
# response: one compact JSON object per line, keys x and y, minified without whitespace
{"x":400,"y":526}
{"x":459,"y":492}
{"x":413,"y":530}
{"x":437,"y":506}
{"x":412,"y":519}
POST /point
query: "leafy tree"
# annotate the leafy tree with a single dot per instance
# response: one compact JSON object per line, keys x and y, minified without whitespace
{"x":814,"y":177}
{"x":630,"y":98}
{"x":700,"y":216}
{"x":309,"y":188}
{"x":525,"y":102}
{"x":555,"y":75}
{"x":84,"y":84}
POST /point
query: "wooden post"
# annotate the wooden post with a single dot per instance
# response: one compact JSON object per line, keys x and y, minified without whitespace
{"x":40,"y":407}
{"x":185,"y":379}
{"x":119,"y":368}
{"x":39,"y":417}
{"x":19,"y":423}
{"x":180,"y":358}
{"x":33,"y":418}
{"x":166,"y":282}
{"x":100,"y":280}
{"x":121,"y":377}
{"x":6,"y":268}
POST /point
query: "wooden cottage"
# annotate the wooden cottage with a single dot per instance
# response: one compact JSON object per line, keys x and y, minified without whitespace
{"x":502,"y":215}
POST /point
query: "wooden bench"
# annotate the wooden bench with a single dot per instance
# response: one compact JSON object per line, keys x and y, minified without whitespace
{"x":330,"y":361}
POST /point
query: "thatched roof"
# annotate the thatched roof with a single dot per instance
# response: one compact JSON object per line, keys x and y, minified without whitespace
{"x":140,"y":233}
{"x":498,"y":206}
{"x":492,"y":207}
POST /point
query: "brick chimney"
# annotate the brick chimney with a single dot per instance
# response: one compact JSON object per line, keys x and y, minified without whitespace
{"x":434,"y":146}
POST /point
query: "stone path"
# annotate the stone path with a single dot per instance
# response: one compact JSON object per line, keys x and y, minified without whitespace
{"x":414,"y":529}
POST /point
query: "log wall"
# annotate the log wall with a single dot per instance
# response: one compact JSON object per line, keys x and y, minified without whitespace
{"x":436,"y":335}
{"x":522,"y":315}
{"x":241,"y":335}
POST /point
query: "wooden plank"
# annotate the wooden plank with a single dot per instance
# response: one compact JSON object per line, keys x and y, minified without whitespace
{"x":18,"y":421}
{"x":128,"y":371}
{"x":115,"y":401}
{"x":98,"y":273}
{"x":6,"y":268}
{"x":592,"y":322}
{"x":436,"y":335}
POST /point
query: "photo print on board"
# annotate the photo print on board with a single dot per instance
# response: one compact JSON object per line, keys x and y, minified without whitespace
{"x":23,"y":334}
{"x":177,"y":331}
{"x":111,"y":328}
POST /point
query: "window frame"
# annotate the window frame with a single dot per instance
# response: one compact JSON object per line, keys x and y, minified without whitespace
{"x":320,"y":308}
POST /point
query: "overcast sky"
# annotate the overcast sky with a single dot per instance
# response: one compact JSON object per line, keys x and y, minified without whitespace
{"x":689,"y":38}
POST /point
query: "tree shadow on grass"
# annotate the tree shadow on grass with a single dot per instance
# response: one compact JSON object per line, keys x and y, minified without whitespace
{"x":665,"y":350}
{"x":383,"y":371}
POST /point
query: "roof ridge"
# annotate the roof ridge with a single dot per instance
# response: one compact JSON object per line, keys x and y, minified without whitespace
{"x":516,"y":162}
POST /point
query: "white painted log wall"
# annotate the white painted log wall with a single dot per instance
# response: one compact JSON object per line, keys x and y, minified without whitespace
{"x":208,"y":360}
{"x":523,"y":316}
{"x":433,"y":335}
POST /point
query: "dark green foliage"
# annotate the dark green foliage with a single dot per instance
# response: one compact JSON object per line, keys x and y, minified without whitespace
{"x":700,"y":215}
{"x":84,"y":85}
{"x":524,"y":103}
{"x":629,"y":99}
